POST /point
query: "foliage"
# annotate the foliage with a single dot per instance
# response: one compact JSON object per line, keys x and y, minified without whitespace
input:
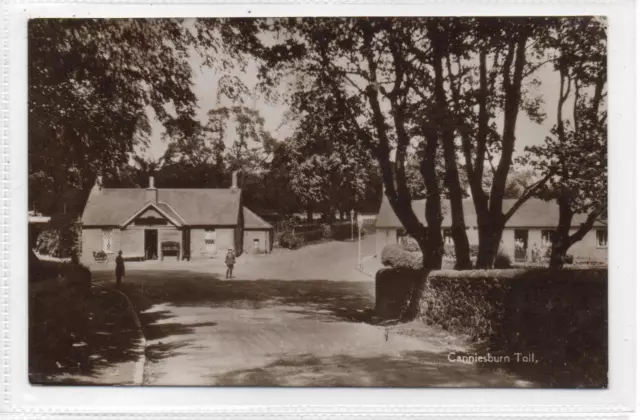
{"x":396,"y":257}
{"x":450,"y":251}
{"x":410,"y":246}
{"x":574,"y":155}
{"x":93,"y":81}
{"x":290,"y":240}
{"x":61,"y":239}
{"x":502,"y":260}
{"x":504,"y":309}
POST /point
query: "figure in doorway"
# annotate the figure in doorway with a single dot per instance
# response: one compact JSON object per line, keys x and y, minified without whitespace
{"x":230,"y":261}
{"x":119,"y":269}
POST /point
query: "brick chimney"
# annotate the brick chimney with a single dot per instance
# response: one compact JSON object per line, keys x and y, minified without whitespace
{"x":151,"y":193}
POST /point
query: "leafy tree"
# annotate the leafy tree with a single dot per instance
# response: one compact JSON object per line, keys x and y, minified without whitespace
{"x":486,"y":78}
{"x":329,"y":172}
{"x":363,"y":66}
{"x":92,"y":83}
{"x":574,"y":156}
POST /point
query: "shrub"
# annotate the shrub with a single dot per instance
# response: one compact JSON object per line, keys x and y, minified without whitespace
{"x":342,"y":231}
{"x":396,"y":257}
{"x":61,"y":239}
{"x":568,"y":259}
{"x":311,"y":235}
{"x":326,"y":231}
{"x":291,"y":241}
{"x":410,"y":246}
{"x":502,"y":260}
{"x":559,"y":315}
{"x":450,"y":251}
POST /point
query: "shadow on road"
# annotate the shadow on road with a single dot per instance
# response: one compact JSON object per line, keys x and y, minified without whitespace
{"x":344,"y":301}
{"x":78,"y":334}
{"x":407,"y":369}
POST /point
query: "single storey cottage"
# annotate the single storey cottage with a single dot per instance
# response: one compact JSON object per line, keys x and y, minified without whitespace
{"x":146,"y":223}
{"x":258,"y":234}
{"x":531,"y":227}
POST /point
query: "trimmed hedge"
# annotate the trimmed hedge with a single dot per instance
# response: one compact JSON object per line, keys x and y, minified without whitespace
{"x":396,"y":257}
{"x":398,"y":292}
{"x":559,"y":315}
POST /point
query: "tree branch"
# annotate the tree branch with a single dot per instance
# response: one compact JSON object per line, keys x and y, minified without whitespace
{"x":527,"y":194}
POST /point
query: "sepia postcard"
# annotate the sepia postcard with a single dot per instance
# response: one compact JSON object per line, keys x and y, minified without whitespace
{"x":406,"y":202}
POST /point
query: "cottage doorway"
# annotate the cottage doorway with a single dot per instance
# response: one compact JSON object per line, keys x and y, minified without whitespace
{"x":521,"y":237}
{"x":151,"y":244}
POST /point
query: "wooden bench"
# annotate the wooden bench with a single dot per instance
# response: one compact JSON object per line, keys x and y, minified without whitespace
{"x":170,"y":247}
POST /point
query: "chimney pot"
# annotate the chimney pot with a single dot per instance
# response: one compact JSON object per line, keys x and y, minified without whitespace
{"x":151,"y":193}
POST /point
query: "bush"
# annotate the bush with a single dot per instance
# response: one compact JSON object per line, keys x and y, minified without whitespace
{"x":61,"y":239}
{"x":343,"y":231}
{"x":326,"y":231}
{"x":568,"y":259}
{"x":396,"y":257}
{"x":311,"y":235}
{"x":290,"y":240}
{"x":450,"y":251}
{"x":502,"y":260}
{"x":410,"y":246}
{"x":559,"y":315}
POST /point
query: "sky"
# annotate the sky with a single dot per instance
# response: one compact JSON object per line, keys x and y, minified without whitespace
{"x":206,"y":80}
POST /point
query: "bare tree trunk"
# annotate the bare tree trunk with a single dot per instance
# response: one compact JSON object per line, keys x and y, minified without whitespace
{"x":445,"y":131}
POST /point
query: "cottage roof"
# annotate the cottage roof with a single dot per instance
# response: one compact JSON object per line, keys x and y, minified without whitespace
{"x":253,"y":221}
{"x":205,"y":206}
{"x":534,"y":213}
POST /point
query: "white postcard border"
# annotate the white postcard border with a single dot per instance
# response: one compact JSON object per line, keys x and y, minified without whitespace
{"x":19,"y":397}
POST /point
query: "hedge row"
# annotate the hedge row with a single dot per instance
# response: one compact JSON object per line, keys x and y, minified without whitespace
{"x":559,"y":315}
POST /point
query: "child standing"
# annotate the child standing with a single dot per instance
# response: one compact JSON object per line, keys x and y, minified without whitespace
{"x":230,"y":260}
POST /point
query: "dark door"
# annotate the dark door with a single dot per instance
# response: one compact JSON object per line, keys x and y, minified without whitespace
{"x":521,"y":237}
{"x":151,"y":244}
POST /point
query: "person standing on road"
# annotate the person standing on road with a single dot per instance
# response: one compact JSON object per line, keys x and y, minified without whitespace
{"x":230,"y":260}
{"x":119,"y":269}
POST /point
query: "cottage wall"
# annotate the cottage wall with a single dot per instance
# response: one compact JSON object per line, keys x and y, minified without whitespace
{"x":132,"y":242}
{"x":263,"y":239}
{"x":92,"y":242}
{"x":225,"y":239}
{"x":587,"y":249}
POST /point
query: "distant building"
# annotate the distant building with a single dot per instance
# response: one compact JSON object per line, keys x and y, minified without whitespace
{"x":204,"y":222}
{"x":533,"y":224}
{"x":258,"y":234}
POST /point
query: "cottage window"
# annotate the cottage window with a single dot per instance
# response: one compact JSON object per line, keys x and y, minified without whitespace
{"x":107,"y":243}
{"x":602,"y":239}
{"x":210,"y":239}
{"x":547,"y":237}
